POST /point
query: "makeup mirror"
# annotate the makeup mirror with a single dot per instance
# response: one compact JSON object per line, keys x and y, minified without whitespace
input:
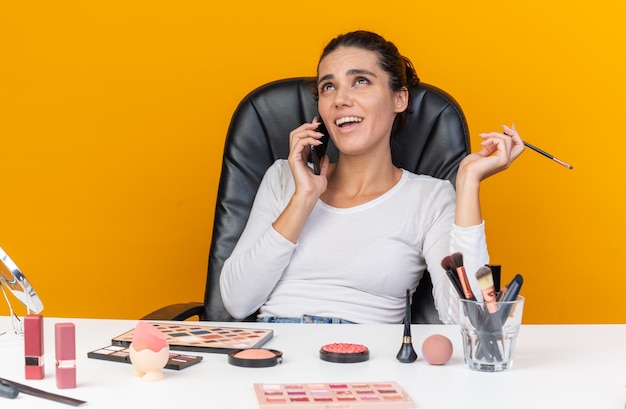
{"x":12,"y":278}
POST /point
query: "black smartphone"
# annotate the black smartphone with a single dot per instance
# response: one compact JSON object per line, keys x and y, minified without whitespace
{"x":318,"y":152}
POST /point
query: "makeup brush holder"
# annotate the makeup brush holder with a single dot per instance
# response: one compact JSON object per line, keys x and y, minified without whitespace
{"x":148,"y":363}
{"x":489,"y":338}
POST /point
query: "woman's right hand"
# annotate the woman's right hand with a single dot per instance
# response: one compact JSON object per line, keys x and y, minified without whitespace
{"x":300,"y":141}
{"x":309,"y":186}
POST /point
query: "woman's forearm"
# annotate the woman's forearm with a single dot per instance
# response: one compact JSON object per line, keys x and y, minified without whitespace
{"x":468,"y":212}
{"x":290,"y":222}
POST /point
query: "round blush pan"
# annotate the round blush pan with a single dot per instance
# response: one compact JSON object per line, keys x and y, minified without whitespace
{"x":344,"y":353}
{"x":255,"y":357}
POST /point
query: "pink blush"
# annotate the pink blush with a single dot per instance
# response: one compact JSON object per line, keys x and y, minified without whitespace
{"x":255,"y":357}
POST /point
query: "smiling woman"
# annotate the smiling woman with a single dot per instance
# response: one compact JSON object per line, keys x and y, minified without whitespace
{"x":377,"y":227}
{"x":349,"y":99}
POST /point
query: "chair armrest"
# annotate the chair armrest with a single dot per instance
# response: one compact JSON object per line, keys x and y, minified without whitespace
{"x":177,"y":312}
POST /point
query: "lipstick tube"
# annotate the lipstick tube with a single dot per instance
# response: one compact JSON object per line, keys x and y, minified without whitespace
{"x":65,"y":348}
{"x":33,"y":346}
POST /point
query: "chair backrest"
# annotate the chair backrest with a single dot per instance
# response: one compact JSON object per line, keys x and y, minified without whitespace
{"x":434,"y":142}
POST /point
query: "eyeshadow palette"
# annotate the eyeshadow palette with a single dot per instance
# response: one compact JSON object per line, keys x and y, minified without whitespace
{"x":370,"y":395}
{"x":118,"y":353}
{"x":205,"y":338}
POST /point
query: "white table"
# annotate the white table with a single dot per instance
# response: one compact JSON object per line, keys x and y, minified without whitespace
{"x":556,"y":366}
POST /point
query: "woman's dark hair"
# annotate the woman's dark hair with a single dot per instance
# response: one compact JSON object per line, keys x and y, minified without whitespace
{"x":399,"y":68}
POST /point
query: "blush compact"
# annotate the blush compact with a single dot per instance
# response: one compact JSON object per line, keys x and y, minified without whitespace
{"x":344,"y":353}
{"x":255,"y":357}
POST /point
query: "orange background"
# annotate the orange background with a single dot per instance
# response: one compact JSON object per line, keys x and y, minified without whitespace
{"x":113,"y":116}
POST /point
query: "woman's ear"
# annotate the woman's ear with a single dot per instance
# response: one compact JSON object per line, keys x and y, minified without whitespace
{"x":401,"y":99}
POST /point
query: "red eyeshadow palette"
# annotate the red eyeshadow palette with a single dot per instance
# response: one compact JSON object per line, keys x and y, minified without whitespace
{"x":370,"y":395}
{"x":118,"y":353}
{"x":200,"y":338}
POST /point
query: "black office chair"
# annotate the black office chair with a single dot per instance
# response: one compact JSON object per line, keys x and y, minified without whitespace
{"x":434,"y":142}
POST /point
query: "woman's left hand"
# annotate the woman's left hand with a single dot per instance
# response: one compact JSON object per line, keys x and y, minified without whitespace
{"x":498,"y":151}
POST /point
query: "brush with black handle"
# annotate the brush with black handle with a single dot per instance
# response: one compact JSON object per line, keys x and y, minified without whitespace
{"x":511,"y":293}
{"x":457,"y":263}
{"x":490,"y":323}
{"x":407,"y":353}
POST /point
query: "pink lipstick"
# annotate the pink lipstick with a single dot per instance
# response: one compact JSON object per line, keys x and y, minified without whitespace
{"x":65,"y":348}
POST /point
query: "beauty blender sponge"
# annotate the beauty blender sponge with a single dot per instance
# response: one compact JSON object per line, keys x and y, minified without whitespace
{"x":437,"y":349}
{"x":147,"y":336}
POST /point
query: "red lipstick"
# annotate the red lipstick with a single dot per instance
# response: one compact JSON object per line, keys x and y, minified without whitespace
{"x":33,"y":346}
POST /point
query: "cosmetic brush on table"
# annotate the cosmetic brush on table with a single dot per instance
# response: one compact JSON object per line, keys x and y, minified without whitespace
{"x":455,"y":262}
{"x":487,"y":288}
{"x":511,"y":292}
{"x":490,"y":322}
{"x":407,"y":353}
{"x":458,"y":276}
{"x":7,"y":390}
{"x":28,"y":390}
